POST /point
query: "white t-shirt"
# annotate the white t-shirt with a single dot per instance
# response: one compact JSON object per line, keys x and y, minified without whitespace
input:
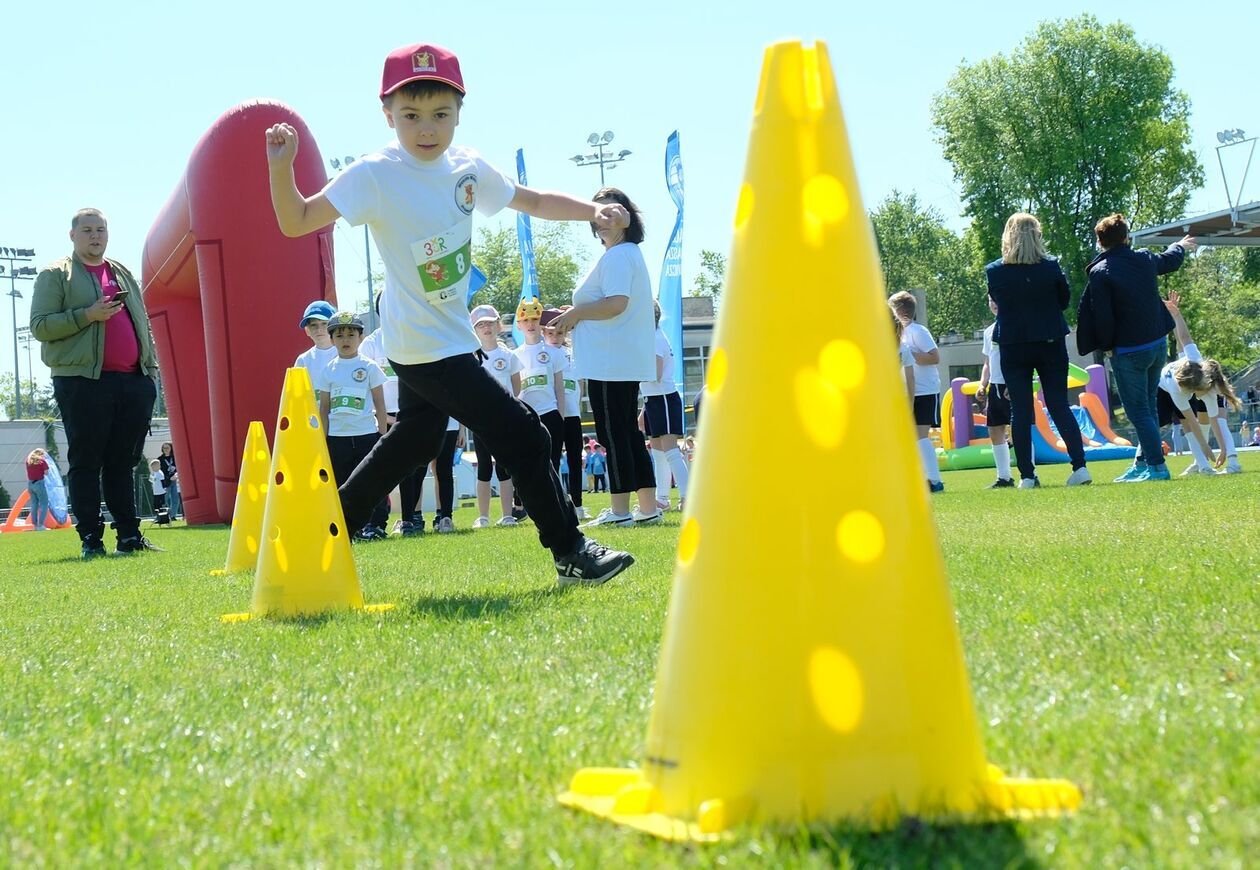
{"x":904,"y":357}
{"x":373,"y":347}
{"x":994,"y":353}
{"x":666,"y":384}
{"x":927,"y":379}
{"x":620,"y":348}
{"x":541,"y":364}
{"x":349,"y":384}
{"x":315,"y":361}
{"x":572,"y":399}
{"x":1180,"y":397}
{"x":420,"y":214}
{"x":155,"y":478}
{"x":501,"y":363}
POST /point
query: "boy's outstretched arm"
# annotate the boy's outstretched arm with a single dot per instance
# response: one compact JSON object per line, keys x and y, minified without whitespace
{"x":296,"y":214}
{"x":552,"y":206}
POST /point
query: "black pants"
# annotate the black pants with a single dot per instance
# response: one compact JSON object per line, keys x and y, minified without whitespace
{"x":573,"y":449}
{"x":1050,"y":360}
{"x":106,"y":421}
{"x":554,"y":424}
{"x":601,"y":482}
{"x":459,"y":387}
{"x":346,"y":452}
{"x":444,"y":474}
{"x":159,"y":501}
{"x":616,"y":408}
{"x":487,"y":463}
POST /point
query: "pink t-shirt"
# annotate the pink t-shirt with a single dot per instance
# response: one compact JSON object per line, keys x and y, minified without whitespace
{"x":122,"y":349}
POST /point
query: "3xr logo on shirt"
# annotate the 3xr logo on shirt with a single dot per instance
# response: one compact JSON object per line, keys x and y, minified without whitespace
{"x":466,"y":192}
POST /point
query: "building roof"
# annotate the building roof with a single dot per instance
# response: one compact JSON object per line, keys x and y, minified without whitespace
{"x":1237,"y":227}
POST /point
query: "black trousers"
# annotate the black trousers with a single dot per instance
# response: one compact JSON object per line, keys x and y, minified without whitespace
{"x":459,"y":387}
{"x":616,"y":408}
{"x":1050,"y":361}
{"x":601,"y":482}
{"x":573,"y":449}
{"x":554,"y":424}
{"x":346,"y":452}
{"x":444,"y":474}
{"x":106,"y":421}
{"x":487,"y":463}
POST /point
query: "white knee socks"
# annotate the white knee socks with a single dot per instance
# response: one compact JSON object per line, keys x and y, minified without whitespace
{"x":1002,"y":458}
{"x":661,"y":465}
{"x":1197,"y":452}
{"x":928,"y":454}
{"x":678,"y":465}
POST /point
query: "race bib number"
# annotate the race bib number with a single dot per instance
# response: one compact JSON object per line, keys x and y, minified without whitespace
{"x":534,"y":381}
{"x":346,"y":403}
{"x":570,"y":386}
{"x":444,"y":263}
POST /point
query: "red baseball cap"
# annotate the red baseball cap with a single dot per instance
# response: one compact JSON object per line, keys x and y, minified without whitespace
{"x":413,"y":63}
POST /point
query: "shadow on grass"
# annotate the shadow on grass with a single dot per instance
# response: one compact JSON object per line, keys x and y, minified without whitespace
{"x":915,"y":843}
{"x":467,"y":606}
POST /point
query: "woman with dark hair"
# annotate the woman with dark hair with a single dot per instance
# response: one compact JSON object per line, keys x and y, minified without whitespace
{"x":1030,"y":292}
{"x":613,"y":350}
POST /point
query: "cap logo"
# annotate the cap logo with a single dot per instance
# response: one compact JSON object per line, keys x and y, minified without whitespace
{"x":422,"y":61}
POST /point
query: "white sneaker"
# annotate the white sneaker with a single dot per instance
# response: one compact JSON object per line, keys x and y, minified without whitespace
{"x":606,"y":517}
{"x":582,"y":513}
{"x":1080,"y":477}
{"x":1194,"y":469}
{"x":508,"y":520}
{"x":662,"y":503}
{"x":481,"y":523}
{"x":444,"y":526}
{"x":1233,"y":466}
{"x":1029,"y":483}
{"x":642,"y":519}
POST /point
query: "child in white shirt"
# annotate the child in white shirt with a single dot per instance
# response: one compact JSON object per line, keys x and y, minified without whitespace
{"x":314,"y":323}
{"x":352,"y":408}
{"x":663,"y":421}
{"x":570,"y":409}
{"x":542,"y":375}
{"x":997,"y":406}
{"x":505,"y":367}
{"x":927,"y":381}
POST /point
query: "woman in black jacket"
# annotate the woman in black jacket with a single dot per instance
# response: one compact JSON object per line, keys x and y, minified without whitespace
{"x":1030,"y":292}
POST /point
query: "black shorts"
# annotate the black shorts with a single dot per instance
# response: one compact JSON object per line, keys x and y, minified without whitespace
{"x":997,"y":406}
{"x":663,"y":415}
{"x":1169,"y":413}
{"x":927,"y":410}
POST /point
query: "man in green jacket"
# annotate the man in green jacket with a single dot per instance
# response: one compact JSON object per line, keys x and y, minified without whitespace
{"x":87,"y":312}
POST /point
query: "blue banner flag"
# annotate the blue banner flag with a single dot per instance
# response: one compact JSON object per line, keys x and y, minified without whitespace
{"x":669,"y":291}
{"x":525,"y":239}
{"x":475,"y":283}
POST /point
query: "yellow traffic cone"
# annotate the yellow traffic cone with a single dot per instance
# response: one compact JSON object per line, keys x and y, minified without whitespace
{"x":304,"y":562}
{"x":815,"y":673}
{"x":251,"y":499}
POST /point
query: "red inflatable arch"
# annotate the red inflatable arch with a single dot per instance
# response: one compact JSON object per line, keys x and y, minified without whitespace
{"x":224,"y":290}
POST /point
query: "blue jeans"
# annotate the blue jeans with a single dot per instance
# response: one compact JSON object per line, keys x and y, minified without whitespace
{"x":1137,"y":381}
{"x":39,"y":503}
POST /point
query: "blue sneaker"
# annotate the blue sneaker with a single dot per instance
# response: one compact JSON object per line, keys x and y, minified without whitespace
{"x":1158,"y":472}
{"x":936,"y":486}
{"x":1131,"y":474}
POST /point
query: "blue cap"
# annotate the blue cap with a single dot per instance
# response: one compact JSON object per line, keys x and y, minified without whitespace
{"x":317,"y":310}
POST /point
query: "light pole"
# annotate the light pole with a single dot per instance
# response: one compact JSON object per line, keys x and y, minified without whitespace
{"x":367,"y":252}
{"x":600,"y":157}
{"x":25,"y":338}
{"x":24,"y":273}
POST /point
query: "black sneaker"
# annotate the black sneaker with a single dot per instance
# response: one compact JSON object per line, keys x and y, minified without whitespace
{"x":93,"y":550}
{"x":936,"y":486}
{"x":590,"y":564}
{"x":136,"y":544}
{"x":1002,"y":483}
{"x":369,"y":533}
{"x":409,"y":529}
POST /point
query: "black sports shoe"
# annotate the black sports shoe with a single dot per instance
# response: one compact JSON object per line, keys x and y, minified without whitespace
{"x":369,"y":533}
{"x":409,"y":528}
{"x":590,"y":564}
{"x":93,"y":550}
{"x":1002,"y":483}
{"x":136,"y":544}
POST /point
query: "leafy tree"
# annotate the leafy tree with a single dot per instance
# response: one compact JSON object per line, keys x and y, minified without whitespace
{"x":6,"y":501}
{"x":1079,"y":121}
{"x":1221,"y":305}
{"x":45,"y":406}
{"x":556,"y":257}
{"x":918,"y":252}
{"x":712,"y":276}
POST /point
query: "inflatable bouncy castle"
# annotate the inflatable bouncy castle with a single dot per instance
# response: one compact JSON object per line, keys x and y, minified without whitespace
{"x":224,"y":290}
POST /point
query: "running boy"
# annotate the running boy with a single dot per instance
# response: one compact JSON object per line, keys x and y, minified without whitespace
{"x":417,"y":196}
{"x":351,"y":392}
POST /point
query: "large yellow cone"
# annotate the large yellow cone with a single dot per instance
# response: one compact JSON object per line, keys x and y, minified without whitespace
{"x":251,"y":500}
{"x":304,"y":562}
{"x":815,"y":672}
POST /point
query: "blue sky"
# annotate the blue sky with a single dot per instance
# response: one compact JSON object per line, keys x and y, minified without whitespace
{"x":104,"y":103}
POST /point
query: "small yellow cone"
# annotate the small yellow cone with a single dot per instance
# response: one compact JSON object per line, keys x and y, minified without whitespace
{"x":304,"y":562}
{"x":814,"y":674}
{"x":251,"y":500}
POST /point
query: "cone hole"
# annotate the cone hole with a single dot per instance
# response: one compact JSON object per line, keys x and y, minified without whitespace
{"x":333,"y":530}
{"x":323,"y":475}
{"x":314,"y":421}
{"x":275,"y":534}
{"x":284,"y":423}
{"x":279,"y":477}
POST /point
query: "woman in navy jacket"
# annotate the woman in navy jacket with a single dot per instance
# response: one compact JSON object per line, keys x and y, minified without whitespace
{"x":1030,"y":292}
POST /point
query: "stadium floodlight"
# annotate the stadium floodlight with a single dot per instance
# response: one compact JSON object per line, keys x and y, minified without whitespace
{"x":593,"y":139}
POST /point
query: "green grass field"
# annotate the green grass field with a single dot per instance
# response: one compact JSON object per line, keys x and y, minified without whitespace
{"x":135,"y":728}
